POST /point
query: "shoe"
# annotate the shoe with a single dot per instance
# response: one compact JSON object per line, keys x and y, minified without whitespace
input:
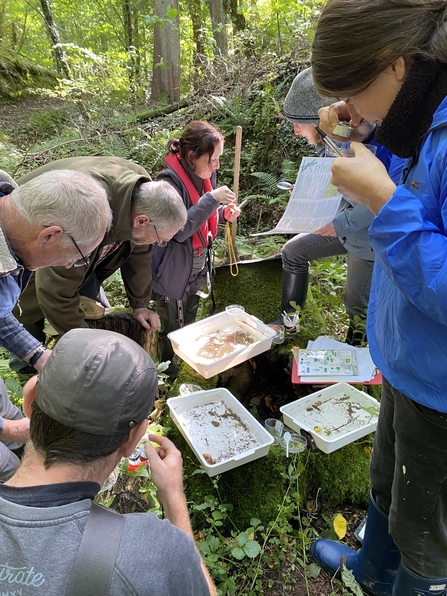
{"x":375,"y":565}
{"x":93,"y":310}
{"x":408,"y":583}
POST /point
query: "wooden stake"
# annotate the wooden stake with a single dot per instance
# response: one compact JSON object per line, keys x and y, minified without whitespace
{"x":237,"y":165}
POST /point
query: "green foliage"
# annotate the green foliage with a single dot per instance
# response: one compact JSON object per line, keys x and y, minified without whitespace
{"x":237,"y":559}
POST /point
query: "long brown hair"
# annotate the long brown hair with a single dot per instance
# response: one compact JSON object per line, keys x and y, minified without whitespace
{"x":199,"y":137}
{"x":356,"y":40}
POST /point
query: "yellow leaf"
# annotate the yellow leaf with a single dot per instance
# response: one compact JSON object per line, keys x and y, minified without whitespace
{"x":340,"y":525}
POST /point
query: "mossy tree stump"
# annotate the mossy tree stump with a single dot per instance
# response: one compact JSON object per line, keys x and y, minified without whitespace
{"x":124,"y":323}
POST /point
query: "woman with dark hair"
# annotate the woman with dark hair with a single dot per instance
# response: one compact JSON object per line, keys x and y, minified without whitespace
{"x":181,"y":268}
{"x":388,"y":58}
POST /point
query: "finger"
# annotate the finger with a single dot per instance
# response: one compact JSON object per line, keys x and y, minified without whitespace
{"x":164,"y":442}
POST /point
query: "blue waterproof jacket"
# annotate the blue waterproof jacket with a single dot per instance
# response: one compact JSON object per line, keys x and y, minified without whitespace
{"x":407,"y":317}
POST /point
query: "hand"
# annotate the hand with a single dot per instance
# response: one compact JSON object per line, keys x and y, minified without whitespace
{"x":327,"y":230}
{"x":166,"y":467}
{"x":231,"y":213}
{"x":147,"y":318}
{"x":339,"y":111}
{"x":223,"y":194}
{"x":15,"y":430}
{"x":42,"y":360}
{"x":362,"y":178}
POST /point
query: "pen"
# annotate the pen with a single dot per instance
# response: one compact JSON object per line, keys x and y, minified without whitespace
{"x":329,"y":142}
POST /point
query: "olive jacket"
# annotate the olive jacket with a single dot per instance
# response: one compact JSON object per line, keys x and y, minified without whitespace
{"x":53,"y":292}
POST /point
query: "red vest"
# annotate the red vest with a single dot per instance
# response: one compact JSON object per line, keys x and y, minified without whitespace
{"x":209,"y":226}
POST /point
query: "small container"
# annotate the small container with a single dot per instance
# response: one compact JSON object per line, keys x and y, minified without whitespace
{"x":234,"y":309}
{"x":291,"y":324}
{"x":275,"y":428}
{"x":279,"y":337}
{"x":137,"y":459}
{"x":297,"y":443}
{"x":346,"y":150}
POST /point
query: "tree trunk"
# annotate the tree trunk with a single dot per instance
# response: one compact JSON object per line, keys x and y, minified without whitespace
{"x":238,"y":19}
{"x":53,"y":32}
{"x":124,"y":323}
{"x":218,"y":21}
{"x":197,"y":19}
{"x":166,"y":69}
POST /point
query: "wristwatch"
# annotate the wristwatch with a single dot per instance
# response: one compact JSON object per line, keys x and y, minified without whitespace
{"x":37,"y":354}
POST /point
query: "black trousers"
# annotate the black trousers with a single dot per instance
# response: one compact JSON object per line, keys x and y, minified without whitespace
{"x":409,"y":480}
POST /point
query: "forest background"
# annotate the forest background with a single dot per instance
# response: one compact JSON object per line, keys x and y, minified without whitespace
{"x":122,"y":77}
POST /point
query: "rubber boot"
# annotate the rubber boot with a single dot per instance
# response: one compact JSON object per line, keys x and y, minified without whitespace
{"x":408,"y":583}
{"x":375,"y":565}
{"x":294,"y":289}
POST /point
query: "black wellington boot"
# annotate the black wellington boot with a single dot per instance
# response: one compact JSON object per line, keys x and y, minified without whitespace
{"x":294,"y":289}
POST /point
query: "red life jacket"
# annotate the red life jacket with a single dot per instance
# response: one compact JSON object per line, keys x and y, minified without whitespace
{"x":211,"y":225}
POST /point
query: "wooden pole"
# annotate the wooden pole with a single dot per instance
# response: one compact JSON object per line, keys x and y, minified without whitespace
{"x":237,"y":166}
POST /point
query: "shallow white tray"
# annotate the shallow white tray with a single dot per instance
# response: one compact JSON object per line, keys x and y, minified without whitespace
{"x":185,"y":342}
{"x":178,"y":407}
{"x":335,"y":416}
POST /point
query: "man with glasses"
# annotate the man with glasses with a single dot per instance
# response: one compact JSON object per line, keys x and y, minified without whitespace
{"x":37,"y":230}
{"x":144,"y":213}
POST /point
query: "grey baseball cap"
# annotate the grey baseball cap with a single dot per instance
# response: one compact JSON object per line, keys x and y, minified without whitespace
{"x":98,"y":382}
{"x":303,"y":102}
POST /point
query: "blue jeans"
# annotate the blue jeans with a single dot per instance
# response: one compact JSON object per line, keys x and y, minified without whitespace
{"x":301,"y":249}
{"x":409,"y":480}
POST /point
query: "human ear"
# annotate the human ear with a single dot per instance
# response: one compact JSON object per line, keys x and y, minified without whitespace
{"x":29,"y":393}
{"x":140,"y":220}
{"x":49,"y":234}
{"x":399,"y":68}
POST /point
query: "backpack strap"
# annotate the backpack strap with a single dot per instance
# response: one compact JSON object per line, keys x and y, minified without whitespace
{"x":95,"y":561}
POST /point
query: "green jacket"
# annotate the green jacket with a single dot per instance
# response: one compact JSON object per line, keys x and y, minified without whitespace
{"x":54,"y":293}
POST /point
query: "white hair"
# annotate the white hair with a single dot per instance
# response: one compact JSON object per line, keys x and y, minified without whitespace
{"x":161,"y":203}
{"x":66,"y":198}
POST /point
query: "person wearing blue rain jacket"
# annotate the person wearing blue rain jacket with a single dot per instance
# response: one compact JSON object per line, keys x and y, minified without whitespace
{"x":398,"y":78}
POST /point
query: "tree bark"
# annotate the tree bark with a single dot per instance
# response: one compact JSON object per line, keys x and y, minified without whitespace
{"x":218,"y":21}
{"x":53,"y":32}
{"x":238,"y":19}
{"x":197,"y":18}
{"x":166,"y":68}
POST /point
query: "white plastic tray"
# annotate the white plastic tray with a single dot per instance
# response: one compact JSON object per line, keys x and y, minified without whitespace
{"x":179,"y":407}
{"x":335,"y":416}
{"x":185,"y":342}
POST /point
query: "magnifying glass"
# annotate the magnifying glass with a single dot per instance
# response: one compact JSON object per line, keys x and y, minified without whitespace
{"x":284,"y":185}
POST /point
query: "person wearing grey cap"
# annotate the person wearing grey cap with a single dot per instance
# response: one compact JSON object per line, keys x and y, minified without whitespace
{"x":87,"y":410}
{"x":347,"y":234}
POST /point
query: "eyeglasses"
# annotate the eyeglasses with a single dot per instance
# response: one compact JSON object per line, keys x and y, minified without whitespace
{"x":83,"y":261}
{"x":161,"y":243}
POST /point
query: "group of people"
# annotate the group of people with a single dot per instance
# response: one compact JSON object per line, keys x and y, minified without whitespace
{"x":75,"y":221}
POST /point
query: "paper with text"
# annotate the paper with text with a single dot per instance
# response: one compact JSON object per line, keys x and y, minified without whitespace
{"x":314,"y":201}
